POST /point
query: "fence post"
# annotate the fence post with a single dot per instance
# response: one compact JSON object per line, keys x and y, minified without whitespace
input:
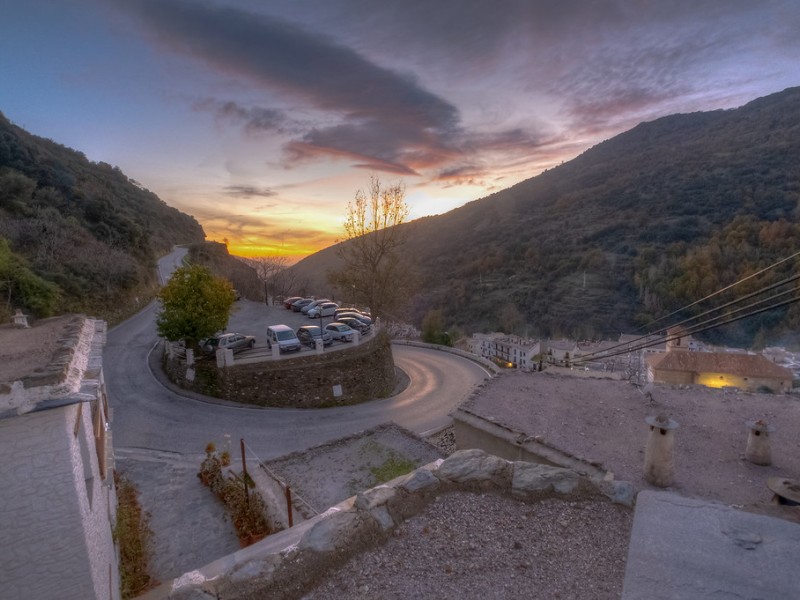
{"x":244,"y":476}
{"x":289,"y":504}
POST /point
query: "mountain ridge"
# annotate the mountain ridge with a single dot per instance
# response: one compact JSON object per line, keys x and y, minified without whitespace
{"x":75,"y":235}
{"x":602,"y":243}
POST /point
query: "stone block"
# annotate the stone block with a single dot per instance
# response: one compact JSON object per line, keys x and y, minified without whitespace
{"x":533,"y":477}
{"x":420,"y":480}
{"x":474,"y":466}
{"x":330,"y":532}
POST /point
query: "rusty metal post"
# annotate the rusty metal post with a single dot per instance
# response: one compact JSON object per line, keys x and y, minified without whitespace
{"x":289,"y":504}
{"x":244,"y":475}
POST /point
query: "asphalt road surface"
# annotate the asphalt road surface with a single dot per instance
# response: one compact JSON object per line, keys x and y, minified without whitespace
{"x":148,"y":415}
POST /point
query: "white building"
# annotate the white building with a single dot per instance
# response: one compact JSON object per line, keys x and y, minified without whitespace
{"x":560,"y":351}
{"x":56,"y":475}
{"x":514,"y":351}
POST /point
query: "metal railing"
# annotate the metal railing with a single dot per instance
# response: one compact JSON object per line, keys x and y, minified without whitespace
{"x":301,"y":504}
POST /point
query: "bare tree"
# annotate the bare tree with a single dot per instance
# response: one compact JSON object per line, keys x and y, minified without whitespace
{"x":510,"y":318}
{"x":374,"y":271}
{"x":270,"y":271}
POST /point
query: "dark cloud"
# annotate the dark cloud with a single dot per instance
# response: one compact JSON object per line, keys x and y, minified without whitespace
{"x":255,"y":119}
{"x":309,"y":66}
{"x":248,"y":191}
{"x":607,"y":63}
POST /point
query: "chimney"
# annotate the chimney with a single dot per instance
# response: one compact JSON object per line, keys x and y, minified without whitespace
{"x":758,"y":449}
{"x":658,"y":469}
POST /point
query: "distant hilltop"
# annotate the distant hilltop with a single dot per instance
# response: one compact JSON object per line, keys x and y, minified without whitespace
{"x":77,"y":236}
{"x":631,"y":230}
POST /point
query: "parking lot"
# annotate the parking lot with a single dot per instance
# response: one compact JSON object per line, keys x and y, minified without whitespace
{"x":253,"y":318}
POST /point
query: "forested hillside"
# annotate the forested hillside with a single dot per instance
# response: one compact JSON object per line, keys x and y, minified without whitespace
{"x":77,"y":235}
{"x":632,"y":229}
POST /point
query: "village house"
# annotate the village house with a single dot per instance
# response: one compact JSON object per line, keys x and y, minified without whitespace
{"x":56,"y":477}
{"x":509,"y":350}
{"x":560,"y":351}
{"x":624,"y":357}
{"x":653,"y":344}
{"x":681,"y":364}
{"x":751,"y":372}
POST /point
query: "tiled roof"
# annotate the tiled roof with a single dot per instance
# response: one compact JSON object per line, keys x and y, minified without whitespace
{"x":561,"y":344}
{"x":745,"y":365}
{"x":653,"y":342}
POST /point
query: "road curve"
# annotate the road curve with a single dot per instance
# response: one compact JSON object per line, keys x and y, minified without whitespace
{"x":148,"y":415}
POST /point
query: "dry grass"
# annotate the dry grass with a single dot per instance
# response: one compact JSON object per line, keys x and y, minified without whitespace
{"x":245,"y":505}
{"x":132,"y":533}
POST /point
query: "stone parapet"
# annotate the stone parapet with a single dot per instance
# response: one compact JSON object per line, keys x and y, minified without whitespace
{"x":68,"y":373}
{"x":347,"y":376}
{"x":280,"y":565}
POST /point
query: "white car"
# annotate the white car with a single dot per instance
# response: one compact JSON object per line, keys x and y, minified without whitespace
{"x":313,"y":304}
{"x":340,"y":331}
{"x":326,"y":309}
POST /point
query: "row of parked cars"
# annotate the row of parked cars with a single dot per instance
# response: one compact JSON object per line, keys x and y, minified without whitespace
{"x":355,"y":318}
{"x":346,"y":322}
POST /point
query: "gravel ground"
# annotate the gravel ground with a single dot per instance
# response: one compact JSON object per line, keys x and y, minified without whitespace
{"x":328,"y":474}
{"x":603,"y":420}
{"x":470,"y":545}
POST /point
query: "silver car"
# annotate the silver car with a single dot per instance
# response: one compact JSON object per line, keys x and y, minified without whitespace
{"x":309,"y":334}
{"x":228,"y":341}
{"x":326,"y":309}
{"x":340,"y":331}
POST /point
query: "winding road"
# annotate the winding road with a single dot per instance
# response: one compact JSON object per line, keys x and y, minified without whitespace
{"x":148,"y":415}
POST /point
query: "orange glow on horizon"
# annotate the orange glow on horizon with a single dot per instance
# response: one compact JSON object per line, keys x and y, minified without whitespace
{"x":294,"y":251}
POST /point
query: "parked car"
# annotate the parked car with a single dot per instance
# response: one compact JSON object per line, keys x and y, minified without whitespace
{"x":227,"y":341}
{"x":354,"y":323}
{"x":340,"y":331}
{"x":326,"y":309}
{"x":309,"y":334}
{"x":283,"y":337}
{"x":312,"y":304}
{"x":298,"y":305}
{"x":289,"y":301}
{"x":351,"y":310}
{"x":352,"y":315}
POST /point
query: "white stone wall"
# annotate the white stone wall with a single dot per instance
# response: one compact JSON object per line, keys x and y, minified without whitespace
{"x":55,"y":531}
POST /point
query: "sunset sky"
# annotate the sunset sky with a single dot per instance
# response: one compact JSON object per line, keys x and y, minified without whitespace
{"x":262,"y":118}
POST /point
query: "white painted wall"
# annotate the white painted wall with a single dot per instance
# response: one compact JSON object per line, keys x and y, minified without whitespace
{"x":55,"y":533}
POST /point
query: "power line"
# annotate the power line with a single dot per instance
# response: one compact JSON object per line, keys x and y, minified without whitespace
{"x":697,"y":328}
{"x":658,"y":332}
{"x":734,"y":284}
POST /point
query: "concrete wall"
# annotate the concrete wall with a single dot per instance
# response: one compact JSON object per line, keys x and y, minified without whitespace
{"x":673,"y":377}
{"x":719,"y":380}
{"x":473,"y":431}
{"x":55,"y":530}
{"x":751,"y":384}
{"x":363,"y":372}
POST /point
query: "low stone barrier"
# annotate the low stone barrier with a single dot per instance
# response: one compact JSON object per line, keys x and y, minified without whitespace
{"x":475,"y":431}
{"x":279,"y":566}
{"x":347,"y":376}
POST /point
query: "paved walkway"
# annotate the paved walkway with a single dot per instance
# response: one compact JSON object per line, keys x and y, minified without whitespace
{"x":190,"y":526}
{"x":689,"y":549}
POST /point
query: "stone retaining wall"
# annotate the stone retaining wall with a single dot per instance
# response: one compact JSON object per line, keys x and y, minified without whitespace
{"x":473,"y":431}
{"x":357,"y":374}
